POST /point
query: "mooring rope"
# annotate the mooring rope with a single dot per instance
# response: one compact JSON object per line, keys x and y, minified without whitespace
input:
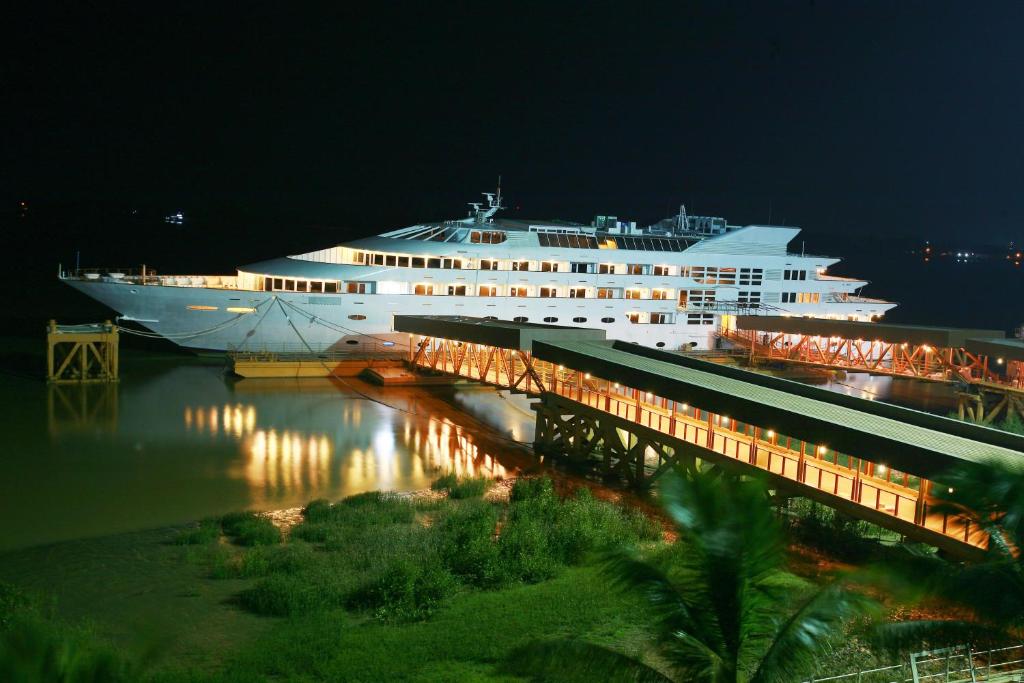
{"x":175,"y":336}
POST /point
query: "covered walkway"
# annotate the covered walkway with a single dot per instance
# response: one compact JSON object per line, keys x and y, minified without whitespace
{"x":637,"y":411}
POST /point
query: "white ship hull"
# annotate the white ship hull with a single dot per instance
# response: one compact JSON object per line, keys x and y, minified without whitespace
{"x":666,"y":290}
{"x":163,"y":310}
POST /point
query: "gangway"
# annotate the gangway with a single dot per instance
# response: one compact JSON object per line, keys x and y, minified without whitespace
{"x":634,"y":412}
{"x":989,"y":367}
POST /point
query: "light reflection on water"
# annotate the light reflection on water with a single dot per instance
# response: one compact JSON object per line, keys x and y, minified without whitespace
{"x":182,"y":442}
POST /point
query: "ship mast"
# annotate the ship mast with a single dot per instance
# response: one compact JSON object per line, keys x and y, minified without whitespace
{"x":493,"y":205}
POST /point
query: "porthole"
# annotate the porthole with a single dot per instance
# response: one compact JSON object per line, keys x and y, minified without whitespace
{"x":607,"y":320}
{"x":551,"y":319}
{"x":579,"y":320}
{"x":521,"y":319}
{"x":357,"y":316}
{"x":660,"y":345}
{"x":351,"y":341}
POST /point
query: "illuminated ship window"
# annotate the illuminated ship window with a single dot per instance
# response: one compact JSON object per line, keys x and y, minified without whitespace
{"x":357,"y":316}
{"x":201,"y":308}
{"x":241,"y":309}
{"x":486,"y":237}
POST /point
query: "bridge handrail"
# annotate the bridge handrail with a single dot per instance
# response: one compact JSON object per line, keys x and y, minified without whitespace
{"x":988,"y":667}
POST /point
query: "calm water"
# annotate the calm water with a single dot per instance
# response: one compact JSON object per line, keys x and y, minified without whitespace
{"x":176,"y":440}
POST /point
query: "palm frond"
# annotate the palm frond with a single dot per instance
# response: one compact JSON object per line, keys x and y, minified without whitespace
{"x":577,"y":660}
{"x":678,"y":608}
{"x":799,"y":637}
{"x":901,"y":637}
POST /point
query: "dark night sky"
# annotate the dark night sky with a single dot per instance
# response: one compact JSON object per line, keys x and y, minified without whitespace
{"x":881,"y":118}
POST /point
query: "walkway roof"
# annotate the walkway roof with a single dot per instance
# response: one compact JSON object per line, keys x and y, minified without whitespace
{"x":1008,"y":349}
{"x":877,"y":432}
{"x":507,"y":335}
{"x":909,"y":440}
{"x":942,"y":337}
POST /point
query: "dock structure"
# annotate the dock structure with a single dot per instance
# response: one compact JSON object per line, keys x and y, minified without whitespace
{"x":634,"y":412}
{"x":989,"y":366}
{"x":303,"y":362}
{"x":81,"y":353}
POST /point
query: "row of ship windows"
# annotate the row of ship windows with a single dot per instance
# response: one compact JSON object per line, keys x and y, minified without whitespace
{"x":703,"y":274}
{"x":696,"y":297}
{"x":636,"y":317}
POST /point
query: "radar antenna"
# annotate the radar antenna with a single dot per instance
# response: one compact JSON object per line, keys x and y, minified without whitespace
{"x":493,"y":205}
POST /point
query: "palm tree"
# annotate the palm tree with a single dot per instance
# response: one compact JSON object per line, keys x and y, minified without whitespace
{"x":719,"y":606}
{"x":990,"y":594}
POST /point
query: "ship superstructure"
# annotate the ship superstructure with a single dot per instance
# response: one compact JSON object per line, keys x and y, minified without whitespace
{"x":670,"y":285}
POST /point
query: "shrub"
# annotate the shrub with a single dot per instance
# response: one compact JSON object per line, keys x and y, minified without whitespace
{"x":526,"y":551}
{"x":364,"y":509}
{"x":445,"y":482}
{"x":407,"y":589}
{"x":207,"y":531}
{"x":263,"y":560}
{"x":249,"y":529}
{"x":530,"y":488}
{"x":463,"y":536}
{"x":460,"y":489}
{"x":34,"y":650}
{"x":320,"y":587}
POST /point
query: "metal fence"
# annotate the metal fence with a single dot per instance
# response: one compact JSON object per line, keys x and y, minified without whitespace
{"x":950,"y":665}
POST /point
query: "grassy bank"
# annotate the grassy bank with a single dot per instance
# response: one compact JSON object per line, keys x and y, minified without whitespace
{"x":379,"y":586}
{"x":374,"y":587}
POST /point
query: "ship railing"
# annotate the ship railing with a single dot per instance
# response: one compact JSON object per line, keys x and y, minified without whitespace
{"x":285,"y":352}
{"x":835,"y":278}
{"x":148,"y":276}
{"x":735,"y":307}
{"x":843,"y":298}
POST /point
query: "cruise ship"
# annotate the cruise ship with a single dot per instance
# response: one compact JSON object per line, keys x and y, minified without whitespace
{"x":672,"y":285}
